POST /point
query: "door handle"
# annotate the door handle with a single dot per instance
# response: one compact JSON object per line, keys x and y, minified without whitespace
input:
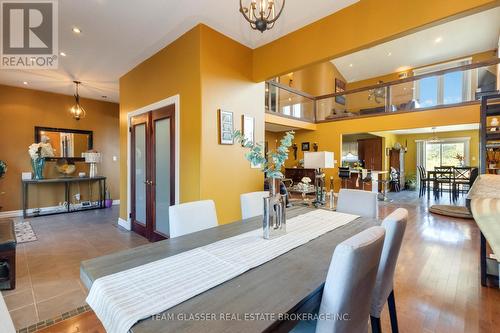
{"x":148,"y":182}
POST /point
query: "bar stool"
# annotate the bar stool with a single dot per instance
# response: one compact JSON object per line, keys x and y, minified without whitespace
{"x":344,"y":175}
{"x":366,"y":176}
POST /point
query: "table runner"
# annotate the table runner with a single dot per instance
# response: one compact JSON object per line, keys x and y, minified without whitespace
{"x":120,"y":300}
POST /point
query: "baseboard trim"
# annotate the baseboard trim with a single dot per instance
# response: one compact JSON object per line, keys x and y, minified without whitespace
{"x":18,"y":213}
{"x":124,"y":224}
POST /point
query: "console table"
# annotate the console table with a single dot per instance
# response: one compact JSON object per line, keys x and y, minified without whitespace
{"x":66,"y":181}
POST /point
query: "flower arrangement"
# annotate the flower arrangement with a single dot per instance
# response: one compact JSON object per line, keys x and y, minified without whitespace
{"x":271,"y":165}
{"x":38,"y":152}
{"x":306,"y":180}
{"x":460,"y":159}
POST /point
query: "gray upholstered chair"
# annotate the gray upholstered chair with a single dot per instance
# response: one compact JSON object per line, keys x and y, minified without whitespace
{"x":191,"y":217}
{"x":345,"y":304}
{"x":358,"y":202}
{"x":252,"y":204}
{"x":395,"y":225}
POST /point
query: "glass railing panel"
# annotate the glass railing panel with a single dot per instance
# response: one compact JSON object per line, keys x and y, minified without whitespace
{"x":289,"y":103}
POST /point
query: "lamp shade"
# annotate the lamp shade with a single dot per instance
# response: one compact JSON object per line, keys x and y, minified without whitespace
{"x":92,"y":157}
{"x":319,"y":160}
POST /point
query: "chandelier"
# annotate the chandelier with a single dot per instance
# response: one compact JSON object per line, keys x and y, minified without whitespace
{"x":262,"y":14}
{"x":77,"y":111}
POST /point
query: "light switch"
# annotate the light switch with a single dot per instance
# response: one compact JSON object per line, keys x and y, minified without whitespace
{"x":115,"y":158}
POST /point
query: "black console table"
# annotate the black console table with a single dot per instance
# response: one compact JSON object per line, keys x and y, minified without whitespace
{"x":66,"y":181}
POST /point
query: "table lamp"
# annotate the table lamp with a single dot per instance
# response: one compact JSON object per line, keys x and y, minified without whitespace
{"x":319,"y":160}
{"x":92,"y":158}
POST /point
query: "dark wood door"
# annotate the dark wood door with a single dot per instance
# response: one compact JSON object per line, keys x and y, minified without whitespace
{"x":370,"y":151}
{"x":153,"y":172}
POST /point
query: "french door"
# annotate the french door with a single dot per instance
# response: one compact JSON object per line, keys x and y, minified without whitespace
{"x":152,"y":172}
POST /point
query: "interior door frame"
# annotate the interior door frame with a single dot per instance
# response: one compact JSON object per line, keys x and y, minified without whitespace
{"x":126,"y":223}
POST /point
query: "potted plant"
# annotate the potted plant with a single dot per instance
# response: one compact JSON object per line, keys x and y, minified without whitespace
{"x":411,"y":182}
{"x":274,"y":223}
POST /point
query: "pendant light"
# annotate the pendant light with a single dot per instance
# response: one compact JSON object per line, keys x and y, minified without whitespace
{"x":261,"y":14}
{"x":77,"y":111}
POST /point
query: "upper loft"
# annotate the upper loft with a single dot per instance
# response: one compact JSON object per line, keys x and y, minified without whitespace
{"x":448,"y":65}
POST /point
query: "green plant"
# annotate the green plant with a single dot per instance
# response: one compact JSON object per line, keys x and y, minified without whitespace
{"x":411,"y":181}
{"x":271,"y":165}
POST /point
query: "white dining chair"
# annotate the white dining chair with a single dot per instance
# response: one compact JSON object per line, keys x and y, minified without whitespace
{"x":345,"y":304}
{"x":6,"y":325}
{"x":252,"y":204}
{"x":358,"y":202}
{"x":395,"y":225}
{"x":190,"y":217}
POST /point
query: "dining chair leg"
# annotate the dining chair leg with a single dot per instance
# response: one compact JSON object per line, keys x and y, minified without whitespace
{"x":392,"y":312}
{"x":375,"y":323}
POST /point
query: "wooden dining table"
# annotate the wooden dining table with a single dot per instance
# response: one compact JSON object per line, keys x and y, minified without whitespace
{"x":251,"y":302}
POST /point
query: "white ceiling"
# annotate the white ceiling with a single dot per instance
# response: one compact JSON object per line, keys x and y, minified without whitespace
{"x":462,"y":37}
{"x":430,"y":130}
{"x":119,"y":34}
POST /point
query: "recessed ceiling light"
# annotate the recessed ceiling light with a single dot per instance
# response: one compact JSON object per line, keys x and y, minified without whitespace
{"x":350,"y":65}
{"x":25,"y":83}
{"x":62,"y":54}
{"x":77,"y":30}
{"x":438,"y":40}
{"x":389,"y":54}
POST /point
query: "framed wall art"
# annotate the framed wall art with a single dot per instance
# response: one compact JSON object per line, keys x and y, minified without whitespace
{"x":226,"y":127}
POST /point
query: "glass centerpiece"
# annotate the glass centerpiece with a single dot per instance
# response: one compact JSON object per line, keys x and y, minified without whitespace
{"x":274,"y":222}
{"x":38,"y":152}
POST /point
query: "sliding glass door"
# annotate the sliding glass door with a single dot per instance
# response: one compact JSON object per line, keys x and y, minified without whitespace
{"x":443,"y":153}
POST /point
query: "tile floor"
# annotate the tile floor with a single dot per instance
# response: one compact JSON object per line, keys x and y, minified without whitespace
{"x":48,"y":270}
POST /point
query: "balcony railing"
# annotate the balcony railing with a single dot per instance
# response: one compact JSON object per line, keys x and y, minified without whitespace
{"x":444,"y":88}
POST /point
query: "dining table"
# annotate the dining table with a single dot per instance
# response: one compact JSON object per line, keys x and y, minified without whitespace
{"x":267,"y":298}
{"x":448,"y":177}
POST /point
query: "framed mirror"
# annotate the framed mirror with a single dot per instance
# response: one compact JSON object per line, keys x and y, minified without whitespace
{"x":67,"y":143}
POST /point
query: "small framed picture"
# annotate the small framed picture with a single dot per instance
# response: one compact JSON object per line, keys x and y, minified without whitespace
{"x":248,"y":128}
{"x":305,"y":146}
{"x":226,"y":127}
{"x":340,"y":87}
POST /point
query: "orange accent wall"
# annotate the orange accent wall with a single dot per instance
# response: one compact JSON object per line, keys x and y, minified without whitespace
{"x":23,"y":109}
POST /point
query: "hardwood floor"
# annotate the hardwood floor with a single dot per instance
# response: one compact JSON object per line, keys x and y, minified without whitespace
{"x":437,"y":284}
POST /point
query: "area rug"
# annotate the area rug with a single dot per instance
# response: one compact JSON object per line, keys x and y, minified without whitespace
{"x":24,"y":232}
{"x":452,"y":211}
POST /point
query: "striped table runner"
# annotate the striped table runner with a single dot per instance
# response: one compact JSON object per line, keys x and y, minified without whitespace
{"x":122,"y":299}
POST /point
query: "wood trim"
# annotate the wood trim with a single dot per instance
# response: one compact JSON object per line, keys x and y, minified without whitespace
{"x":490,"y":62}
{"x":447,"y":106}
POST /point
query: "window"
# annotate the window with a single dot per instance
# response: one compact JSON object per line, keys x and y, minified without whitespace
{"x":449,"y":88}
{"x":297,"y":110}
{"x":286,"y":110}
{"x":443,"y":153}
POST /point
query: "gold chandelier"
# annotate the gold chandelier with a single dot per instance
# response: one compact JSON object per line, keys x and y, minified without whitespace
{"x":77,"y":111}
{"x":262,"y":14}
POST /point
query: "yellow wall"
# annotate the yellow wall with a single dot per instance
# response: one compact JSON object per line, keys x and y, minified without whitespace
{"x":23,"y":109}
{"x":329,"y":135}
{"x":365,"y":23}
{"x":227,"y":84}
{"x":209,"y":71}
{"x":173,"y":70}
{"x":411,"y":155}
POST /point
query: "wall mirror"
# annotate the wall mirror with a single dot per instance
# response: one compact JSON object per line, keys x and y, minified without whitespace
{"x":67,"y":143}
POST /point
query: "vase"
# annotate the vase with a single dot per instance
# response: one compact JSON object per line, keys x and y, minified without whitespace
{"x":38,"y":164}
{"x":274,"y":222}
